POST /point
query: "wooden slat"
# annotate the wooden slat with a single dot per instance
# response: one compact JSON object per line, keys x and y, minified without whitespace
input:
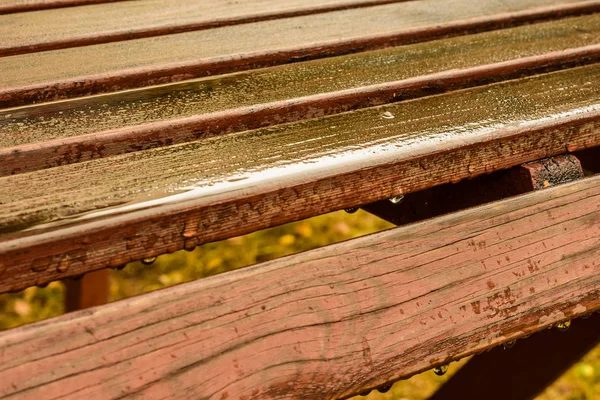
{"x":107,"y":67}
{"x":161,"y":200}
{"x":452,"y":197}
{"x":94,"y":127}
{"x":526,"y":369}
{"x":15,"y":6}
{"x":331,"y":322}
{"x":80,"y":26}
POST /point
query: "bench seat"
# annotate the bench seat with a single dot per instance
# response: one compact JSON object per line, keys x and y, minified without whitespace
{"x":124,"y":138}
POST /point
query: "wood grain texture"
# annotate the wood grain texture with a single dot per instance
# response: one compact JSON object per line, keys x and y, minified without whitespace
{"x":15,"y":6}
{"x":527,"y":369}
{"x":73,"y":72}
{"x":331,"y":322}
{"x":107,"y":212}
{"x":452,"y":197}
{"x":94,"y":127}
{"x":104,"y":23}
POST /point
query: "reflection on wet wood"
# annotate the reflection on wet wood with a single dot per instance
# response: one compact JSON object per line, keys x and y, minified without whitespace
{"x":332,"y":321}
{"x":81,"y":26}
{"x":109,"y":67}
{"x":161,"y":200}
{"x":15,"y":6}
{"x":176,"y":113}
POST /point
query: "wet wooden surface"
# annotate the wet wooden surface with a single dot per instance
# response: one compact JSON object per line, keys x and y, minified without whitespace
{"x":332,"y":321}
{"x":526,"y":369}
{"x":161,"y":200}
{"x":80,"y":26}
{"x":284,"y":94}
{"x":15,"y":6}
{"x":78,"y":71}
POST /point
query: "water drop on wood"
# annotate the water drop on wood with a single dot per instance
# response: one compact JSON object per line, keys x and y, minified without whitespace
{"x":563,"y":326}
{"x":441,"y":370}
{"x":148,"y":260}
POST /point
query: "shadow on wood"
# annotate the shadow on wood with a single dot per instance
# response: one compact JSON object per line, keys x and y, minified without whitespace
{"x":525,"y":370}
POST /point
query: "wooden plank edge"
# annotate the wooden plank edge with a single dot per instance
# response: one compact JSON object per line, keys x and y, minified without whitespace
{"x":112,"y":240}
{"x":180,"y":28}
{"x":48,"y":4}
{"x":334,"y":320}
{"x":522,"y":371}
{"x":35,"y":156}
{"x":176,"y":72}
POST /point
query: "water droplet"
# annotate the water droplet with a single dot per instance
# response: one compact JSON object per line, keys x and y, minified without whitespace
{"x":351,"y":210}
{"x":441,"y":370}
{"x":63,"y":265}
{"x":148,"y":260}
{"x":40,"y":264}
{"x":387,"y":115}
{"x":563,"y":326}
{"x":385,"y":388}
{"x":396,"y":199}
{"x":509,"y":344}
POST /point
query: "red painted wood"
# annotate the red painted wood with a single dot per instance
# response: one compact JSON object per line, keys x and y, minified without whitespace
{"x":450,"y":197}
{"x":37,"y":77}
{"x":526,"y":369}
{"x":50,"y":153}
{"x":331,"y":322}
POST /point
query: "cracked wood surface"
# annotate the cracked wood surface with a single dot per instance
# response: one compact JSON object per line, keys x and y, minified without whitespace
{"x":111,"y":211}
{"x":126,"y":20}
{"x":85,"y":70}
{"x":47,"y":135}
{"x":331,"y":322}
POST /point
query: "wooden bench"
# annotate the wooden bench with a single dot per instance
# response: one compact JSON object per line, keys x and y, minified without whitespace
{"x":137,"y":128}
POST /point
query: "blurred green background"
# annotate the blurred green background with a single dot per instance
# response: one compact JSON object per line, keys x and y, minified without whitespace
{"x":581,"y":382}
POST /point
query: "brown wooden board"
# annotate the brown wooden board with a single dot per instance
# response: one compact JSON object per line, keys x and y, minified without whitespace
{"x":80,"y":26}
{"x":100,"y":126}
{"x":73,"y":219}
{"x":87,"y":291}
{"x":523,"y":371}
{"x":329,"y":323}
{"x":108,"y":67}
{"x":15,"y":6}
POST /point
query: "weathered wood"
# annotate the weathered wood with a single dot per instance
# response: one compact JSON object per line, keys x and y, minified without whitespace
{"x":330,"y":322}
{"x":450,"y":197}
{"x":526,"y":369}
{"x":81,"y":26}
{"x":42,"y":136}
{"x":91,"y":290}
{"x":15,"y":6}
{"x":161,"y":200}
{"x":108,"y":67}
